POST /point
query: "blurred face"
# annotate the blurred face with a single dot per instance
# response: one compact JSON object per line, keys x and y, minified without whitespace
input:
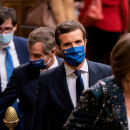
{"x":7,"y":27}
{"x":6,"y":32}
{"x":72,"y":39}
{"x":36,"y":52}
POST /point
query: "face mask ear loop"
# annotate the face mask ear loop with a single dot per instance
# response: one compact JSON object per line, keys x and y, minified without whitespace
{"x":48,"y":61}
{"x":44,"y":57}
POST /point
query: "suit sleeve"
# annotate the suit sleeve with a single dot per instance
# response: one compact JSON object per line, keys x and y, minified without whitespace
{"x":40,"y":113}
{"x":10,"y":94}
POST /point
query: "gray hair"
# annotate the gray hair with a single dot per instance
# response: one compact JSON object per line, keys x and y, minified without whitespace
{"x":44,"y":35}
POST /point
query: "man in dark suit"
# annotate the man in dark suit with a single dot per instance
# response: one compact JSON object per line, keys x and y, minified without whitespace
{"x":23,"y":82}
{"x":56,"y":92}
{"x":17,"y":49}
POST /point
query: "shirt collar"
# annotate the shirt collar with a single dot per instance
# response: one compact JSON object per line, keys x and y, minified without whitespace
{"x":11,"y":44}
{"x":55,"y":64}
{"x":69,"y":70}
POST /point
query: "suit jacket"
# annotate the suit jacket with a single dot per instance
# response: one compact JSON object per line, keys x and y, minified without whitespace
{"x":21,"y":49}
{"x":116,"y":15}
{"x":53,"y":100}
{"x":22,"y":85}
{"x":114,"y":111}
{"x":23,"y":57}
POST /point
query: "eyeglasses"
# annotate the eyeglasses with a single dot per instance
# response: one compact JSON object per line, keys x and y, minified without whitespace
{"x":6,"y":30}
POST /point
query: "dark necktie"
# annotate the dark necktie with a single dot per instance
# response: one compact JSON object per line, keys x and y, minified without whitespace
{"x":8,"y":62}
{"x":79,"y":84}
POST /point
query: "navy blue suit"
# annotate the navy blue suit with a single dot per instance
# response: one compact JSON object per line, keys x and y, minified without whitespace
{"x":53,"y":100}
{"x":23,"y":57}
{"x":22,"y":85}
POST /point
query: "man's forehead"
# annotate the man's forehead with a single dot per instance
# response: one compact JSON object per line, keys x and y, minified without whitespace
{"x":7,"y":22}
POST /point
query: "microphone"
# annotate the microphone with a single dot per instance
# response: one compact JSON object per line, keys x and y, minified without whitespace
{"x":11,"y":118}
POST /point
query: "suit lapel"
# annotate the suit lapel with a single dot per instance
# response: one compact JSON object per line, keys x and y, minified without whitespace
{"x":60,"y":60}
{"x":62,"y":89}
{"x":93,"y":76}
{"x":21,"y":51}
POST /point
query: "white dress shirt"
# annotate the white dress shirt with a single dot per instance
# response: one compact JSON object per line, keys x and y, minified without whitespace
{"x":15,"y":59}
{"x":55,"y":64}
{"x":71,"y":80}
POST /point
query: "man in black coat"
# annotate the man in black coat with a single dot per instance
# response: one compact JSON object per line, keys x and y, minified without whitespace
{"x":56,"y":92}
{"x":23,"y":82}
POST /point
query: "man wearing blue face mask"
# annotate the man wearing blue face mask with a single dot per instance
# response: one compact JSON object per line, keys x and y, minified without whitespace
{"x":57,"y":95}
{"x":23,"y":82}
{"x":13,"y":52}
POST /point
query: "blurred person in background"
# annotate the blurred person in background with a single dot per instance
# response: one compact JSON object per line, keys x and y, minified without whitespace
{"x":78,"y":6}
{"x":103,"y":35}
{"x":13,"y":46}
{"x":63,"y":10}
{"x":49,"y":13}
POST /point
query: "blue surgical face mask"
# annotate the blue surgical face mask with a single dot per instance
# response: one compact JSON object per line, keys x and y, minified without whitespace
{"x":6,"y":38}
{"x":74,"y":56}
{"x":39,"y":64}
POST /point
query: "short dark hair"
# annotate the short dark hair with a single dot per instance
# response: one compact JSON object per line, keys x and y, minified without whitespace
{"x":6,"y":13}
{"x":120,"y":60}
{"x":68,"y":26}
{"x":44,"y":35}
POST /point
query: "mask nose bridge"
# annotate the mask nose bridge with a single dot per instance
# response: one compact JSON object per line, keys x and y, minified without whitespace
{"x":48,"y":60}
{"x":73,"y":44}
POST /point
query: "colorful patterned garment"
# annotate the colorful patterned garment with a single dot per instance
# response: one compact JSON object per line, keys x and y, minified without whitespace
{"x":84,"y":115}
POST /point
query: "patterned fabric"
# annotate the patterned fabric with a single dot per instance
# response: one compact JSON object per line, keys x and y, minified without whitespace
{"x":84,"y":115}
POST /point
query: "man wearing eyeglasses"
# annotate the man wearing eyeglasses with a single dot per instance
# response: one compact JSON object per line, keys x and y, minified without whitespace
{"x":17,"y":48}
